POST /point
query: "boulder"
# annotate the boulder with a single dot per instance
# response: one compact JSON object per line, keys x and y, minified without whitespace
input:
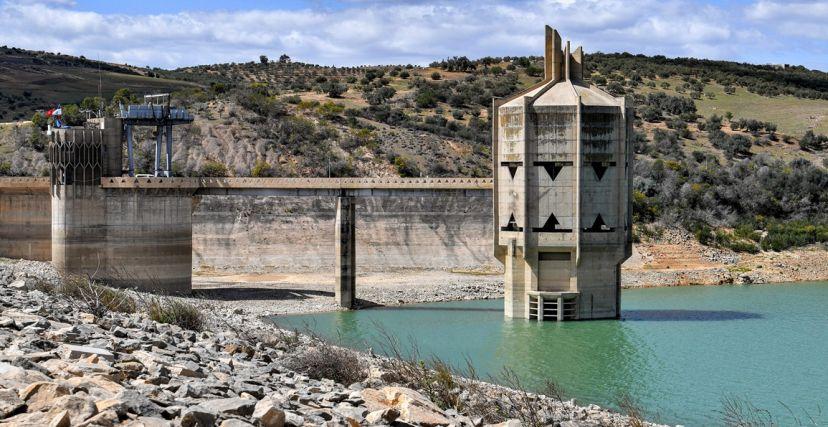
{"x":198,"y":416}
{"x":10,"y":402}
{"x":80,"y":351}
{"x":41,"y":395}
{"x":231,"y":406}
{"x":413,"y":407}
{"x":268,"y":414}
{"x":14,"y":376}
{"x":107,"y":418}
{"x":149,"y":422}
{"x":19,"y":284}
{"x":79,"y":408}
{"x":233,"y":422}
{"x":387,"y":415}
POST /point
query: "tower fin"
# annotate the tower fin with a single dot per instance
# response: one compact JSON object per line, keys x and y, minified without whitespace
{"x":552,"y":59}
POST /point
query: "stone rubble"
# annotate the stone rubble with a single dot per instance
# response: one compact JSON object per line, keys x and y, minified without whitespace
{"x":62,"y":367}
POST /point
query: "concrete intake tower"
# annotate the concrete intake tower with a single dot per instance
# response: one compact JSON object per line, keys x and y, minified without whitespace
{"x":562,"y":193}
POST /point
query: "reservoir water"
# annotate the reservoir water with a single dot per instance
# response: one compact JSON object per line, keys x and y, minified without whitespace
{"x":677,"y":351}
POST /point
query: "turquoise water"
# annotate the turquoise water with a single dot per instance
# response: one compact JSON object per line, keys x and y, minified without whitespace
{"x":677,"y":351}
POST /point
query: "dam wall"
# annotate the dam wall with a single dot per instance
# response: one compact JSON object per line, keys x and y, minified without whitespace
{"x":395,"y":229}
{"x":261,"y":226}
{"x":25,"y":218}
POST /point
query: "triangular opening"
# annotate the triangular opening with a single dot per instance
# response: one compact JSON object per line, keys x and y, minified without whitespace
{"x":599,"y":226}
{"x":553,"y":170}
{"x":599,"y":169}
{"x":511,"y":225}
{"x":513,"y":166}
{"x":551,"y":226}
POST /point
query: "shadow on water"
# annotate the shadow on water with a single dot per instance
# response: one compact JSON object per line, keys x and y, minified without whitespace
{"x":433,"y":308}
{"x":686,"y":315}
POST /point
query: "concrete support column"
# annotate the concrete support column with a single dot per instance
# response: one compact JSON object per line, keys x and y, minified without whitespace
{"x":540,"y":308}
{"x":159,"y":134}
{"x":169,"y":150}
{"x":345,"y":251}
{"x":514,"y":292}
{"x":131,"y":157}
{"x":560,"y":309}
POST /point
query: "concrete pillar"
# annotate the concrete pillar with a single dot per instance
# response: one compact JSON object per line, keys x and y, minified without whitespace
{"x":345,"y":251}
{"x":560,"y":309}
{"x":159,"y":134}
{"x":130,"y":155}
{"x":514,"y":295}
{"x":540,"y":308}
{"x":169,"y":150}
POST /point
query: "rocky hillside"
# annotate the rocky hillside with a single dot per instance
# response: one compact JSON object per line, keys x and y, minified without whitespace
{"x":92,"y":359}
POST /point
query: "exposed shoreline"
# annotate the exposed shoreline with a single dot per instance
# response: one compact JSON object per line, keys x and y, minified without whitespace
{"x":117,"y":367}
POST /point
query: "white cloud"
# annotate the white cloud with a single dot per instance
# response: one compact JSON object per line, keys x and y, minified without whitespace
{"x":802,"y":19}
{"x":371,"y":32}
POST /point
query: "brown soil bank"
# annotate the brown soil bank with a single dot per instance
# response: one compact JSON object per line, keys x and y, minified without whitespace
{"x":678,"y":260}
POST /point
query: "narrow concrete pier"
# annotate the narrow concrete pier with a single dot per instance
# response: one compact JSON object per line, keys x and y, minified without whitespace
{"x":345,"y":251}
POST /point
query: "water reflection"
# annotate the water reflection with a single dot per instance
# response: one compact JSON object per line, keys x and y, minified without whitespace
{"x":687,"y":315}
{"x":590,"y":360}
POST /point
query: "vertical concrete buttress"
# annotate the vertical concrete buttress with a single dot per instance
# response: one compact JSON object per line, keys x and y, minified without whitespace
{"x":345,"y":247}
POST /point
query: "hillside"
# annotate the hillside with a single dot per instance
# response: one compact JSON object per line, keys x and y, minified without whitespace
{"x":38,"y":80}
{"x":723,"y":149}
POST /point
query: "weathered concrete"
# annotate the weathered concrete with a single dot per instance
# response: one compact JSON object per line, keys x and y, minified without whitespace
{"x":25,"y":219}
{"x":345,"y":251}
{"x":133,"y":237}
{"x":239,"y":228}
{"x":261,"y":230}
{"x":562,"y":193}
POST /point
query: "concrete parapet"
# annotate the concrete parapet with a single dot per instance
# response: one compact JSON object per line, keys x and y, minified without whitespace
{"x":300,"y":183}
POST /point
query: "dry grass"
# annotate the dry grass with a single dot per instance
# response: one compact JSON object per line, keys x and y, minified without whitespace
{"x":451,"y":387}
{"x":632,"y":409}
{"x":324,"y":360}
{"x":91,"y":297}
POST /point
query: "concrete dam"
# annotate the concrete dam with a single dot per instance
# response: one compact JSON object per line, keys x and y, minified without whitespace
{"x":257,"y":225}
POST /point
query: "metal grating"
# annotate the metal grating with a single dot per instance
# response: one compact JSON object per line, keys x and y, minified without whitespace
{"x":75,"y":156}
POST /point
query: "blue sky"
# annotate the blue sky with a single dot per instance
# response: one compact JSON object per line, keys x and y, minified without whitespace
{"x":356,"y":32}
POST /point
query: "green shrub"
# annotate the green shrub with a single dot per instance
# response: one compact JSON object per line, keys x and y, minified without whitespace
{"x":784,"y":235}
{"x":262,"y":169}
{"x":293,"y":99}
{"x":211,"y":169}
{"x":330,"y":110}
{"x":175,"y":312}
{"x":406,"y":167}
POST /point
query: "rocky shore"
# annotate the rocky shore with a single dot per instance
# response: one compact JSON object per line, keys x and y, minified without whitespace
{"x":63,"y":366}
